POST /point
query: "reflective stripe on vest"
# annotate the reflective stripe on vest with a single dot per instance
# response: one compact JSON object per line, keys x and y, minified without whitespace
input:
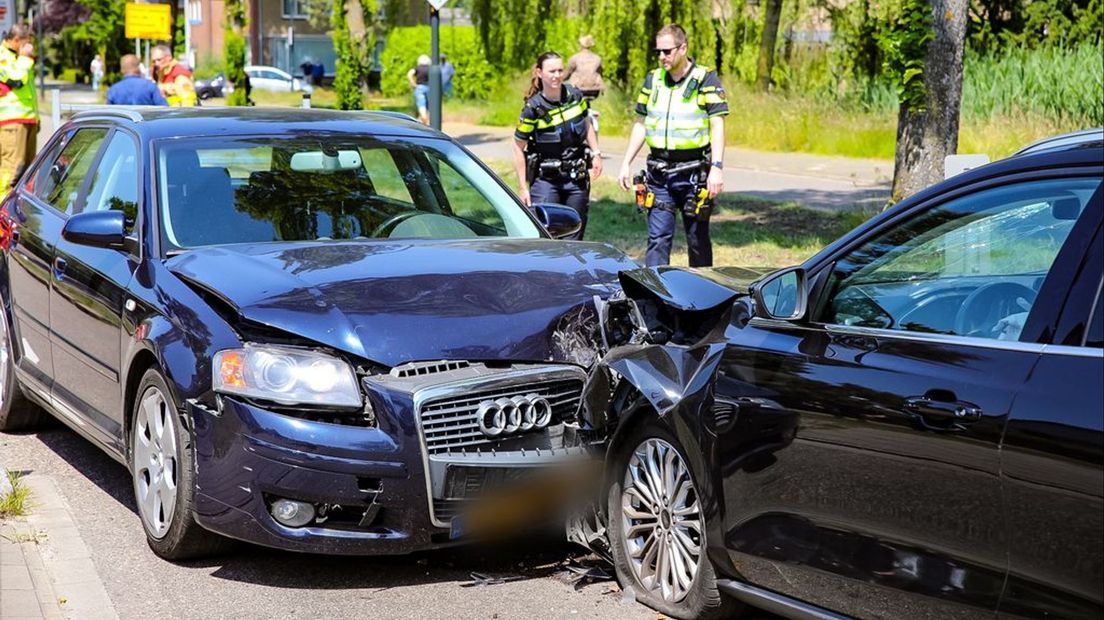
{"x":676,"y":120}
{"x":19,"y":103}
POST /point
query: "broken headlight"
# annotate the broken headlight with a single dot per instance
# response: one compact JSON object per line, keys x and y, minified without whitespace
{"x":285,"y":375}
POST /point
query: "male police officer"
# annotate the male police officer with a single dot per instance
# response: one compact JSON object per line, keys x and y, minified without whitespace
{"x":681,"y":108}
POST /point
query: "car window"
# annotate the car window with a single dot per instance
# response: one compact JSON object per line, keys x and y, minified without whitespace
{"x":386,"y":178}
{"x":1094,"y":337}
{"x":303,"y":188}
{"x":62,"y":180}
{"x":464,"y":201}
{"x":969,"y":267}
{"x":46,"y":161}
{"x":115,"y":184}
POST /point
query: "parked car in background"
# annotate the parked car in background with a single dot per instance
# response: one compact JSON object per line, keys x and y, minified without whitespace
{"x":216,"y":86}
{"x":909,"y":424}
{"x":314,"y":330}
{"x":273,"y":79}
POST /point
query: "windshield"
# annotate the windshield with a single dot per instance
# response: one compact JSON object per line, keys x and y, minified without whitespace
{"x":260,"y":189}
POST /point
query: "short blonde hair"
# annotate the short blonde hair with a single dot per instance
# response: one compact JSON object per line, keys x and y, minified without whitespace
{"x":424,"y":60}
{"x":675,"y":31}
{"x":586,"y":41}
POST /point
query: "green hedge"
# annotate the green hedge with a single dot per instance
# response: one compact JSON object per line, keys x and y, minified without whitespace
{"x":474,"y":78}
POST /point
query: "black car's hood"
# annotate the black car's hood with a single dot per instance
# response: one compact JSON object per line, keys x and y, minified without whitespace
{"x":393,"y":302}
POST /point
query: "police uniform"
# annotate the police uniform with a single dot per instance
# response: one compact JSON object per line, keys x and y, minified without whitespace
{"x":676,"y":121}
{"x":557,"y":159}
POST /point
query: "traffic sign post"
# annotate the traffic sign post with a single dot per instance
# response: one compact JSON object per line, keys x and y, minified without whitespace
{"x":148,"y":21}
{"x":435,"y":68}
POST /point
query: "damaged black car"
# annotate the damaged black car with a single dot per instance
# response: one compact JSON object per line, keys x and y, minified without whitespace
{"x":909,"y":424}
{"x":312,"y":330}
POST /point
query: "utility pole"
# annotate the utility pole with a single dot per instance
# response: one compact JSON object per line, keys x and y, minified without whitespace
{"x":435,"y":67}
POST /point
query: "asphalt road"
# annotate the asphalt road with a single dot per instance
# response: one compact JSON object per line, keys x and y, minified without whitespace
{"x":253,"y":582}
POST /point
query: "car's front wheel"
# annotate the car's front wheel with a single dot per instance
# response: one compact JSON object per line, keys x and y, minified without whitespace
{"x":16,"y":412}
{"x":657,"y":529}
{"x":162,"y":465}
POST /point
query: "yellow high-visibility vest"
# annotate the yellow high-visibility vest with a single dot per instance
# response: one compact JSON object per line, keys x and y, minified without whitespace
{"x":676,"y":118}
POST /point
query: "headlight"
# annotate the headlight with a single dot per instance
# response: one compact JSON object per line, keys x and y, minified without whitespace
{"x":285,"y":375}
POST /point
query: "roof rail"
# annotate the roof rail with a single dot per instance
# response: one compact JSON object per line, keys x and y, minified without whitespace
{"x":87,"y":110}
{"x":393,"y":114}
{"x":1063,"y":141}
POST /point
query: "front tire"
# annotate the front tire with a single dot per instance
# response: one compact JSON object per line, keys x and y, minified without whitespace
{"x":658,"y":531}
{"x":162,"y":466}
{"x":16,"y":411}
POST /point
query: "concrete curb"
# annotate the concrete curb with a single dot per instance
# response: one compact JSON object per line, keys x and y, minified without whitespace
{"x":60,"y":573}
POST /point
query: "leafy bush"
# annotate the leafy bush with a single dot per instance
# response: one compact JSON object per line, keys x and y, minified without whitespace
{"x":475,"y":78}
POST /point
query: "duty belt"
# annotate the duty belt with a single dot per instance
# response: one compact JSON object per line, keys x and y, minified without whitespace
{"x":558,"y":169}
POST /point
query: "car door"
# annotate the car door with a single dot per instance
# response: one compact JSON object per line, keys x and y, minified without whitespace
{"x":881,"y":495}
{"x":42,"y":204}
{"x":1051,"y":466}
{"x":86,"y":304}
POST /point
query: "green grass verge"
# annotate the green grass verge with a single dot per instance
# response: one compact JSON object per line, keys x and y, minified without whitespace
{"x":746,"y":231}
{"x":16,"y":502}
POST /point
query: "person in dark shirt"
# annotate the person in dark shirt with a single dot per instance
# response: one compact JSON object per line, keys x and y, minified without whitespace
{"x":134,"y":89}
{"x":419,"y":81}
{"x":555,"y":147}
{"x":317,"y":71}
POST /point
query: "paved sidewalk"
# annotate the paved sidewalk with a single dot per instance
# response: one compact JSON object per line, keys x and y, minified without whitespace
{"x":817,"y":181}
{"x":46,"y":571}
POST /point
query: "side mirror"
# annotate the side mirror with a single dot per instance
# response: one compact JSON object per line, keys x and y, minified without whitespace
{"x":558,"y":220}
{"x":98,"y":229}
{"x":781,"y":295}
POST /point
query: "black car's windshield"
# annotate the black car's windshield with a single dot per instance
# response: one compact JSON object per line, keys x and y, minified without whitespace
{"x":258,"y":189}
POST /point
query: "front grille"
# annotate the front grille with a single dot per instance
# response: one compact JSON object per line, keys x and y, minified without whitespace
{"x":449,"y":424}
{"x":445,"y":509}
{"x":418,"y":369}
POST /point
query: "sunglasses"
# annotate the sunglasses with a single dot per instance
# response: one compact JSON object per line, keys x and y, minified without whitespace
{"x":666,"y":52}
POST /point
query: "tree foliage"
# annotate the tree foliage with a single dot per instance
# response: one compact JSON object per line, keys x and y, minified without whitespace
{"x":233,"y":49}
{"x":350,"y":61}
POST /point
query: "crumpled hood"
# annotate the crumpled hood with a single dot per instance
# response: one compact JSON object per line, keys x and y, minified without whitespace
{"x":393,"y":302}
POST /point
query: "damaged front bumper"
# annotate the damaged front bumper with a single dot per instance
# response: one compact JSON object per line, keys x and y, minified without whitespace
{"x":404,"y":484}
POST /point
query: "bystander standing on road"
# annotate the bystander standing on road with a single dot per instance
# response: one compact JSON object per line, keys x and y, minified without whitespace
{"x":133,"y":89}
{"x":18,"y":104}
{"x":173,"y":78}
{"x":681,"y":110}
{"x":96,"y":68}
{"x":318,"y":71}
{"x":584,"y":71}
{"x":555,"y":147}
{"x":448,"y":72}
{"x":419,"y":81}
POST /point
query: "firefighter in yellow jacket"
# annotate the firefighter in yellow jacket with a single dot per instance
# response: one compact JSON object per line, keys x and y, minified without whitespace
{"x":18,"y":105}
{"x":173,"y":78}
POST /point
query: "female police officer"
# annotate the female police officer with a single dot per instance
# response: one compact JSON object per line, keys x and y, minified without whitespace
{"x":554,"y":143}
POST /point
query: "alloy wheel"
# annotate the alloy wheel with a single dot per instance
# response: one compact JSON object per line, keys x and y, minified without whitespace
{"x":154,"y":463}
{"x":661,"y":522}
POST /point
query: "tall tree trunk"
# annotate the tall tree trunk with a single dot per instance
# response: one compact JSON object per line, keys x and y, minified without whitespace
{"x":767,"y":45}
{"x":926,"y":137}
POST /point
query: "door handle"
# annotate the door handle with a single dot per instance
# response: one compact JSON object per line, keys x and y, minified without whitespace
{"x":942,"y":414}
{"x":59,"y":267}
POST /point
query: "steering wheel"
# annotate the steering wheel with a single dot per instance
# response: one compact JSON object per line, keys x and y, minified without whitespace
{"x":987,"y":305}
{"x":394,"y":221}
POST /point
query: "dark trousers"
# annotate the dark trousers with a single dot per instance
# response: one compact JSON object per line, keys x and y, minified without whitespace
{"x":572,"y":193}
{"x":671,"y":192}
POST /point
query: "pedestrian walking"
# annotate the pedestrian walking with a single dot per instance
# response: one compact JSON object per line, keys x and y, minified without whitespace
{"x":133,"y":89}
{"x":584,"y":71}
{"x":681,"y":109}
{"x":318,"y":70}
{"x":96,"y":68}
{"x":419,"y":81}
{"x":18,"y":104}
{"x":173,"y":78}
{"x":555,"y":146}
{"x":448,"y":71}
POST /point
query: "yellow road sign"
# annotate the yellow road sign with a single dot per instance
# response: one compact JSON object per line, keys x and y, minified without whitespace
{"x":148,"y":21}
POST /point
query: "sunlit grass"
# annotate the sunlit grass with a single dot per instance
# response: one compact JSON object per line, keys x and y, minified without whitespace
{"x":746,"y":231}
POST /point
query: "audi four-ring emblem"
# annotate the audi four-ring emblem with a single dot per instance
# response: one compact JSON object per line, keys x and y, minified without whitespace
{"x":507,"y":416}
